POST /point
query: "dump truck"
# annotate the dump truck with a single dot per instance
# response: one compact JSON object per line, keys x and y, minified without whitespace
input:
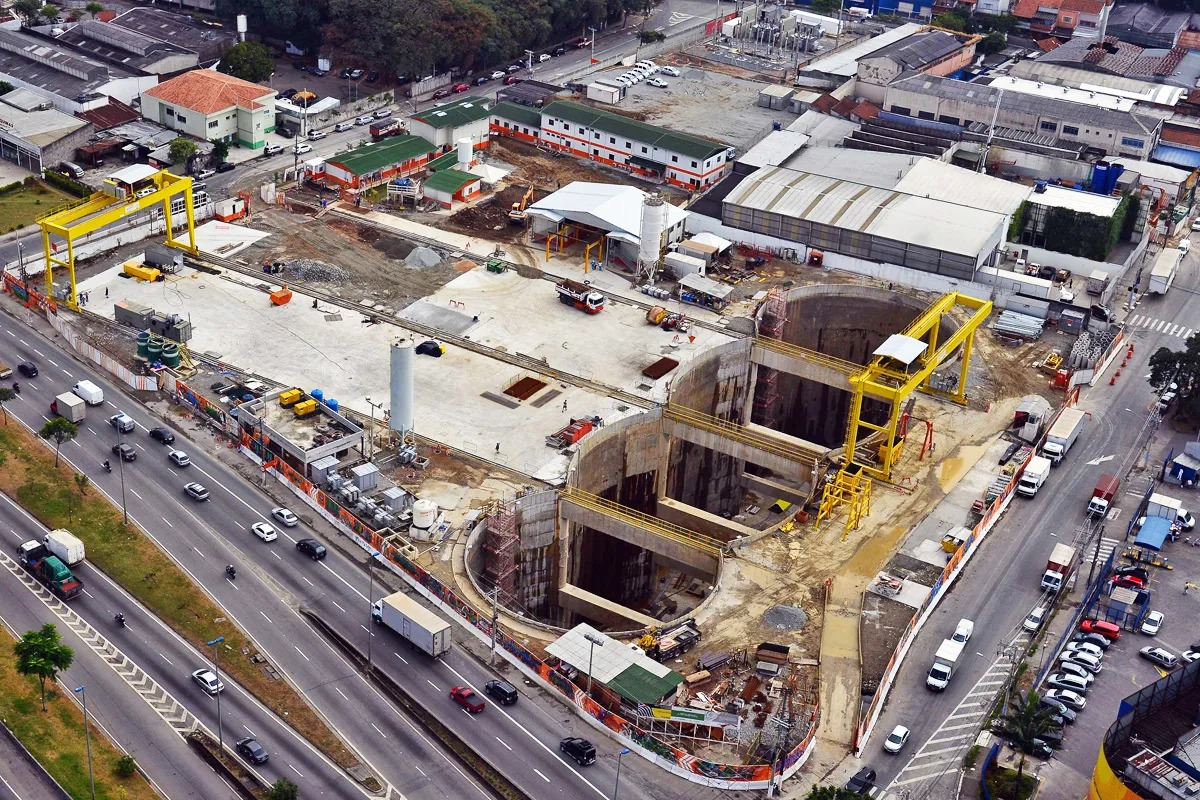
{"x":580,"y":295}
{"x":424,"y":629}
{"x":1063,"y":434}
{"x":49,"y":570}
{"x":1102,"y":495}
{"x":66,"y":545}
{"x":945,"y":661}
{"x":1058,"y":568}
{"x":69,"y":405}
{"x":385,"y":128}
{"x":1034,"y":475}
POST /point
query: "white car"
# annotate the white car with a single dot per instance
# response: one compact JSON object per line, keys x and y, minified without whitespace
{"x":179,"y":458}
{"x":301,"y":148}
{"x":1086,"y":660}
{"x":365,"y":119}
{"x":285,"y":517}
{"x":497,"y":75}
{"x":674,"y":73}
{"x":208,"y":681}
{"x":342,"y":126}
{"x":1068,"y":698}
{"x":205,"y":174}
{"x":1196,"y":224}
{"x":314,"y":135}
{"x":1085,"y":647}
{"x":1152,"y":623}
{"x":1190,"y":655}
{"x":543,"y":58}
{"x":659,"y":82}
{"x":895,"y":740}
{"x":1071,"y":668}
{"x":264,"y":531}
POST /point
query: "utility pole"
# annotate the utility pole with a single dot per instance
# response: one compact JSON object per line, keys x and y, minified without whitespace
{"x":217,"y":670}
{"x":121,"y":472}
{"x":495,"y":622}
{"x":592,"y":56}
{"x":785,"y":723}
{"x":87,"y":738}
{"x":371,"y":605}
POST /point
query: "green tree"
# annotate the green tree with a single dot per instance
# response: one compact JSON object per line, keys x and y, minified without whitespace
{"x":220,"y":151}
{"x":181,"y":150}
{"x":828,"y":7}
{"x":249,"y":61}
{"x":94,"y":9}
{"x":994,"y":42}
{"x":5,"y":87}
{"x":29,"y":10}
{"x":950,"y":22}
{"x":1181,"y":367}
{"x":43,"y":654}
{"x":831,"y":793}
{"x":1024,"y":720}
{"x":6,"y":394}
{"x":283,"y":789}
{"x":60,"y":429}
{"x":49,"y":11}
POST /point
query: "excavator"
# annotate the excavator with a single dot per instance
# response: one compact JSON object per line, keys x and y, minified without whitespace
{"x":518,"y":214}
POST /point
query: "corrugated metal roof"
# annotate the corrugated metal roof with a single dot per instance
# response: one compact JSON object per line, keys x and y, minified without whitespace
{"x":514,"y":112}
{"x":691,"y":146}
{"x":376,"y":156}
{"x":1102,"y":205}
{"x":614,"y":664}
{"x":844,"y":62}
{"x":1177,"y":156}
{"x":460,"y":112}
{"x":449,"y":180}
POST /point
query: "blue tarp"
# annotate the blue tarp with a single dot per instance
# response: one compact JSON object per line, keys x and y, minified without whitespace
{"x":1176,"y":156}
{"x":1153,"y":533}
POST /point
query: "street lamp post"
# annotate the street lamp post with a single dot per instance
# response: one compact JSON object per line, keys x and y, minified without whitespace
{"x":87,"y":738}
{"x":217,"y":669}
{"x":592,"y":642}
{"x":617,"y":782}
{"x":371,"y":604}
{"x":121,"y":472}
{"x":371,"y":432}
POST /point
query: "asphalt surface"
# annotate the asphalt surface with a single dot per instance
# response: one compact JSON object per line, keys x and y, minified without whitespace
{"x":19,"y":780}
{"x":1012,"y":560}
{"x":274,"y":580}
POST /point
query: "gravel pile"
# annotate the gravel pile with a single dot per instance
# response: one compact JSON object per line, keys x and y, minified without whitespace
{"x":785,"y":618}
{"x":308,"y":270}
{"x":422,"y":258}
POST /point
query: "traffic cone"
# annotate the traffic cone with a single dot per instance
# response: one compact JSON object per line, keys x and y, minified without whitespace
{"x":1118,"y":374}
{"x":1112,"y":381}
{"x":1123,"y":361}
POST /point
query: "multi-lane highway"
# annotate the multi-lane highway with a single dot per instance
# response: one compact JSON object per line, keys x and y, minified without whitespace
{"x":1013,"y":558}
{"x":273,"y":581}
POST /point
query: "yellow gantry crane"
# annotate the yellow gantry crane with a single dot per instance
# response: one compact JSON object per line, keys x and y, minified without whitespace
{"x":123,"y":194}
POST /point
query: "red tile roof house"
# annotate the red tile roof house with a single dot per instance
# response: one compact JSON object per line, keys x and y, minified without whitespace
{"x":1064,"y":18}
{"x":211,"y":106}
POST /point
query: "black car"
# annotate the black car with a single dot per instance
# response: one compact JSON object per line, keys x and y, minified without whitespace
{"x":862,"y":782}
{"x":583,"y":751}
{"x":286,"y":132}
{"x":225,"y":166}
{"x":162,"y":435}
{"x":345,"y":73}
{"x":481,"y":80}
{"x":252,"y":750}
{"x":502,"y":692}
{"x":1092,"y":638}
{"x":311,"y":548}
{"x":28,"y":369}
{"x":288,"y":94}
{"x":125,"y":451}
{"x":373,"y":76}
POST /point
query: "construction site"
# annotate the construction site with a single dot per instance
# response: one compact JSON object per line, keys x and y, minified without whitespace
{"x":683,"y":474}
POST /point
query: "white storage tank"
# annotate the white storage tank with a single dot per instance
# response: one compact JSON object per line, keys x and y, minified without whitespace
{"x":403,"y":356}
{"x":424,"y":514}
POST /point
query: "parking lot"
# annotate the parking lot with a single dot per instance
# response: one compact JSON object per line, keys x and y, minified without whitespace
{"x":687,"y":102}
{"x":1124,"y":669}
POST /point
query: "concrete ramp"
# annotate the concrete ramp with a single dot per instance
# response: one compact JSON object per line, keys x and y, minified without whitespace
{"x":593,"y":606}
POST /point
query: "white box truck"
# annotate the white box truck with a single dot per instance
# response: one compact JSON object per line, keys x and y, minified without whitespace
{"x":1162,"y":275}
{"x":92,"y":394}
{"x":1162,"y":506}
{"x":945,"y":661}
{"x":1035,"y":474}
{"x":1063,"y":434}
{"x":427,"y":631}
{"x":65,"y":545}
{"x":69,"y":405}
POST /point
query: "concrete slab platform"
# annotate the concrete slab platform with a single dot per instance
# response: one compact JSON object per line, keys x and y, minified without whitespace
{"x":446,"y":319}
{"x":929,"y":551}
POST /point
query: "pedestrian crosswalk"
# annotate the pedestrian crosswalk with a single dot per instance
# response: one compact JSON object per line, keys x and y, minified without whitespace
{"x":1158,"y":326}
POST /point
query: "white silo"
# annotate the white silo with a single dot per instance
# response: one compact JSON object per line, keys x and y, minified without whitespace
{"x":403,"y":358}
{"x":654,"y":223}
{"x":241,"y":27}
{"x":466,"y":154}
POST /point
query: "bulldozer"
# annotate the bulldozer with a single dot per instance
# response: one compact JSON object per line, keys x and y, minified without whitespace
{"x":518,"y":215}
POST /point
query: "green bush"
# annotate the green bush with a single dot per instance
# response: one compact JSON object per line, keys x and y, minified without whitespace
{"x":125,"y":767}
{"x":12,"y":187}
{"x":66,"y":184}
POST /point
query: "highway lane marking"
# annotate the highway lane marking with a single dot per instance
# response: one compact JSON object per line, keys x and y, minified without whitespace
{"x":89,"y":594}
{"x":22,"y":341}
{"x":264,"y":616}
{"x":164,"y":658}
{"x":249,"y":731}
{"x":293,"y":769}
{"x":343,"y":694}
{"x":397,"y":655}
{"x":431,"y":683}
{"x":51,"y":360}
{"x":135,"y":494}
{"x":381,"y":733}
{"x":298,"y":650}
{"x":276,"y":555}
{"x":69,"y":375}
{"x":139,"y":447}
{"x":335,"y":602}
{"x":10,"y":333}
{"x":540,"y":775}
{"x":310,"y":583}
{"x":197,"y":551}
{"x":164,"y":519}
{"x":423,"y":775}
{"x":75,"y":442}
{"x":501,"y":741}
{"x":39,"y":352}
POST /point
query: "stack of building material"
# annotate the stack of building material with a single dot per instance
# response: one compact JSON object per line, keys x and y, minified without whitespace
{"x":1021,"y":326}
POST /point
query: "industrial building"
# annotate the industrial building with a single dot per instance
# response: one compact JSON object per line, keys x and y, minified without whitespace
{"x":607,"y":138}
{"x":930,"y":51}
{"x":1106,"y":130}
{"x":70,"y":79}
{"x":130,"y":48}
{"x":445,"y":125}
{"x":183,"y":30}
{"x":213,"y":106}
{"x":376,"y":163}
{"x":40,"y":137}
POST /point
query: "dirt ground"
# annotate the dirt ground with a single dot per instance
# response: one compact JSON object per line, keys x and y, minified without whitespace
{"x":490,"y":219}
{"x":883,"y":620}
{"x":550,"y":173}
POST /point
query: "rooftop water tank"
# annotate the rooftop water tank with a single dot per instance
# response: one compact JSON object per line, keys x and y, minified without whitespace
{"x":424,"y":514}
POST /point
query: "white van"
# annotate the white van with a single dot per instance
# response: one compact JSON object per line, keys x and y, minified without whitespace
{"x":92,"y":394}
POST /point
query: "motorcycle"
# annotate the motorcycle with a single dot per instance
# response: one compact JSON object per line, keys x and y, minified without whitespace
{"x":230,"y":572}
{"x":120,"y":620}
{"x":107,"y":467}
{"x":16,"y":387}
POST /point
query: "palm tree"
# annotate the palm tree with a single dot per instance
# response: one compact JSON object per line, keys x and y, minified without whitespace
{"x":43,"y":654}
{"x":1024,"y":720}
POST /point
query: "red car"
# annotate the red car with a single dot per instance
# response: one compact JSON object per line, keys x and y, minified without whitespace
{"x":461,"y":87}
{"x":1108,"y":630}
{"x":511,"y":79}
{"x":467,"y":699}
{"x":1128,"y":581}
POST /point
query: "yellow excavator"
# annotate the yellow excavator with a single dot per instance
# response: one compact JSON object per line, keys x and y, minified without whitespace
{"x":518,"y":214}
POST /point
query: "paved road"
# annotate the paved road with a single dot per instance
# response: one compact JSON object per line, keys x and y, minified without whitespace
{"x":274,"y":579}
{"x":1011,"y":561}
{"x":19,"y":780}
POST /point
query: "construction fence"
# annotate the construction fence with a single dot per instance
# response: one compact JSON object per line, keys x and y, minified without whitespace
{"x":953,"y":569}
{"x":680,"y":762}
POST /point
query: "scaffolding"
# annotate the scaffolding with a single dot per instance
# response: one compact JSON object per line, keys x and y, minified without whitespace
{"x":500,"y":549}
{"x":767,"y":403}
{"x":851,"y":489}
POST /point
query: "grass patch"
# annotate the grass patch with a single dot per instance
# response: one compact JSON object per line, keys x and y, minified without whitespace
{"x":27,"y":473}
{"x":22,"y":207}
{"x":56,"y":737}
{"x":1002,"y":783}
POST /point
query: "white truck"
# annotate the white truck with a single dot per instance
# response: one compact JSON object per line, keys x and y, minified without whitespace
{"x":1162,"y":506}
{"x":1035,"y":474}
{"x":428,"y":632}
{"x":1063,"y":434}
{"x":1162,"y":275}
{"x":69,"y":405}
{"x":945,"y":661}
{"x":92,"y":394}
{"x":65,"y":545}
{"x":1058,"y":568}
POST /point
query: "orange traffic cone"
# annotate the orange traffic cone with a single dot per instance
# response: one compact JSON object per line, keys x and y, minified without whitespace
{"x":1123,"y":361}
{"x":1112,"y":381}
